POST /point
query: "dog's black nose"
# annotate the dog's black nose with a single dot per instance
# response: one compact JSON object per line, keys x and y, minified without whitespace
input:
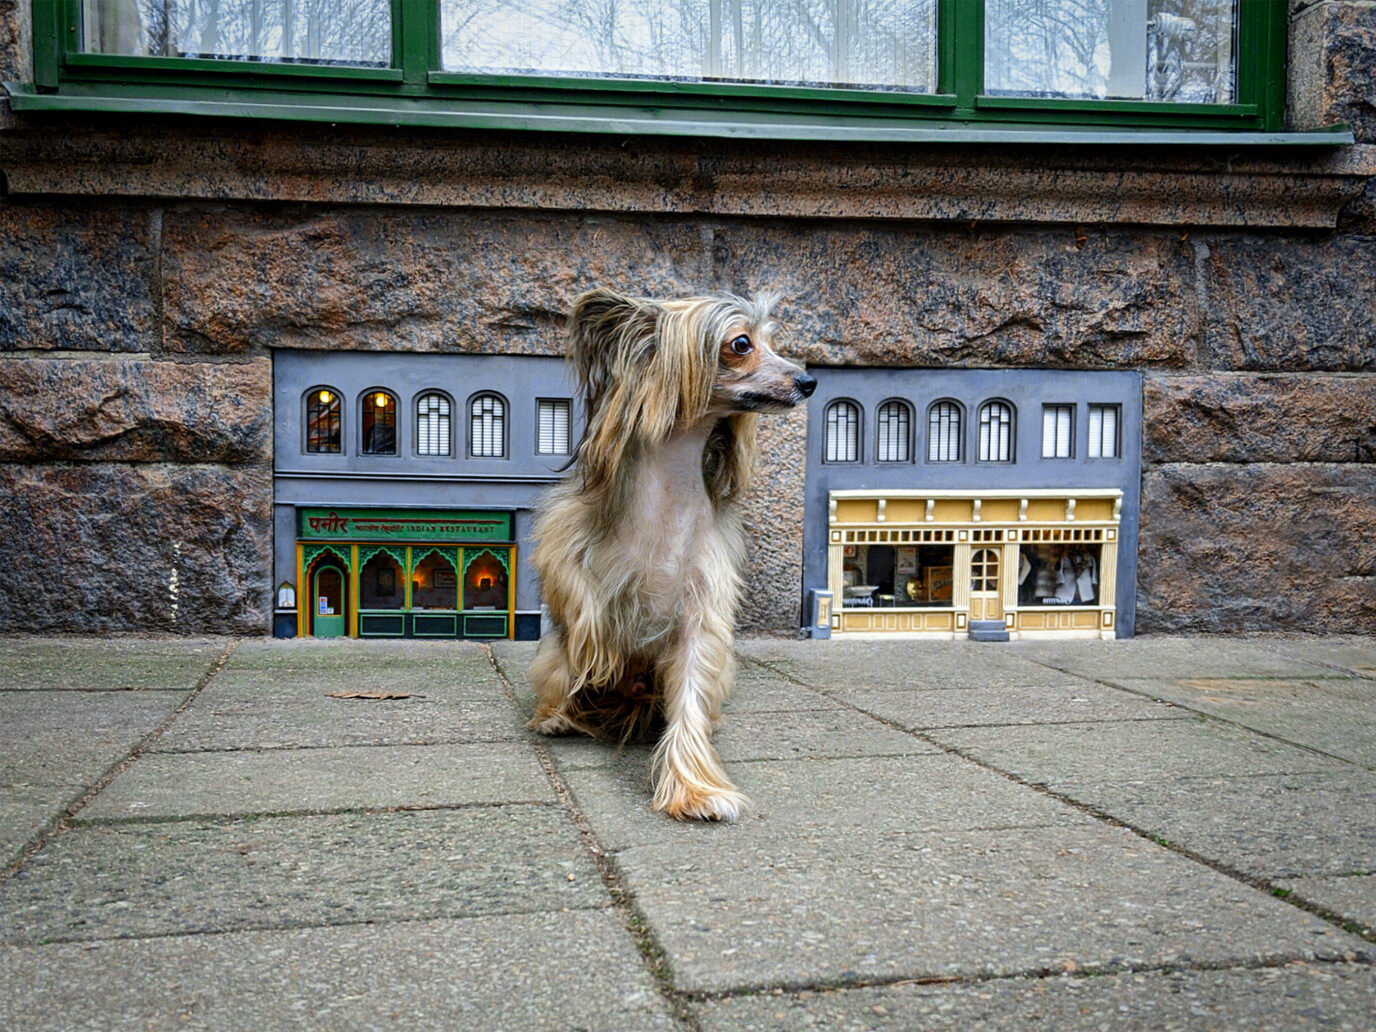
{"x":805,"y":384}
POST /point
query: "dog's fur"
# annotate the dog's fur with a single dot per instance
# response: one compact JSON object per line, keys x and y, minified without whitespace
{"x":639,"y":550}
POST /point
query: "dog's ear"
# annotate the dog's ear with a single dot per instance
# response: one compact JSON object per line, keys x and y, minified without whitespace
{"x":606,"y":331}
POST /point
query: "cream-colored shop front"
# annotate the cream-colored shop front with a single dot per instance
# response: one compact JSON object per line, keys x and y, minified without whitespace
{"x":929,"y":563}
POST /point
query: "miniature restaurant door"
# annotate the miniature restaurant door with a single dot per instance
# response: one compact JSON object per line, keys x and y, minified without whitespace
{"x":329,"y":613}
{"x":986,"y":599}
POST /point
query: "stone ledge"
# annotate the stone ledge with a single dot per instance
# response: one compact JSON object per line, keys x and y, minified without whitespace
{"x":1183,"y":185}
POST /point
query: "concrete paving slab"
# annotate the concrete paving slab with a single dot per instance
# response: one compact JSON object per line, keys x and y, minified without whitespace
{"x":106,"y":664}
{"x":1336,"y":715}
{"x":26,"y":811}
{"x":57,"y":744}
{"x":305,"y":780}
{"x":973,"y":707}
{"x":876,"y":665}
{"x":73,"y":738}
{"x":763,"y":691}
{"x":362,"y":658}
{"x":556,"y":971}
{"x":1354,"y":653}
{"x":106,"y":881}
{"x":1062,"y":754}
{"x":820,"y":801}
{"x":1172,"y":657}
{"x":954,"y":905}
{"x":1279,"y":999}
{"x":768,"y":735}
{"x":1271,"y":826}
{"x":242,"y":712}
{"x":1352,"y":897}
{"x":743,"y":737}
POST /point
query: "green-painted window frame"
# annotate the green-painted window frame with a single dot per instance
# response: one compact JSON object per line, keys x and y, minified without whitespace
{"x":416,"y":91}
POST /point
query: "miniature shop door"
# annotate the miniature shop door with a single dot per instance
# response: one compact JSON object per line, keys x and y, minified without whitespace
{"x":986,"y":602}
{"x":329,"y":615}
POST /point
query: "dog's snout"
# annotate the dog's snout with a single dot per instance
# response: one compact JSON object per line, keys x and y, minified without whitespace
{"x":806,"y":384}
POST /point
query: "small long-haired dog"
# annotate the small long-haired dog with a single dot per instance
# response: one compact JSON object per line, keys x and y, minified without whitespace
{"x":640,"y":549}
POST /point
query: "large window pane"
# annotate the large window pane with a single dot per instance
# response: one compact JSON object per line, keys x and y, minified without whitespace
{"x":880,"y":43}
{"x":356,"y":32}
{"x":1161,"y":50}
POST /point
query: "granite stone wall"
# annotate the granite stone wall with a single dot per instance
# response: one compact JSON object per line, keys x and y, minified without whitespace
{"x":143,"y":286}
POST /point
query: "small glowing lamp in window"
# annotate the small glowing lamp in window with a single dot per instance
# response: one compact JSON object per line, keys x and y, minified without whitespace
{"x":380,"y":400}
{"x":286,"y":593}
{"x":484,"y":583}
{"x":325,"y":397}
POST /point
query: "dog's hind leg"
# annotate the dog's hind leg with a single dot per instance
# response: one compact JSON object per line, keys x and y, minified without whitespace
{"x":552,"y":677}
{"x":695,"y":678}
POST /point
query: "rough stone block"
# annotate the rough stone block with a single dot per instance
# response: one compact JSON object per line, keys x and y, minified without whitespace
{"x":237,"y":281}
{"x":908,"y":295}
{"x":75,"y":279}
{"x":773,"y":511}
{"x":1228,"y":548}
{"x":123,"y":548}
{"x":1359,"y":216}
{"x":1290,"y":304}
{"x":16,"y":34}
{"x":1332,"y":53}
{"x":135,"y":411}
{"x":1259,"y":419}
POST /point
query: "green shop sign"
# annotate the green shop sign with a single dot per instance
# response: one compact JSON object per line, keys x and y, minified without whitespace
{"x":402,"y":525}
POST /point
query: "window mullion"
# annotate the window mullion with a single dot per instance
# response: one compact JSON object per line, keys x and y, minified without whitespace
{"x":415,"y":38}
{"x":48,"y":21}
{"x":960,"y":26}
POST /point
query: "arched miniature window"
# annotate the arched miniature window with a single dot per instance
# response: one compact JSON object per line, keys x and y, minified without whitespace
{"x":435,"y":582}
{"x":487,"y":426}
{"x":381,"y":582}
{"x":943,"y":431}
{"x":324,"y":422}
{"x":996,"y":432}
{"x":842,"y":432}
{"x":895,"y":422}
{"x":485,"y":580}
{"x":434,"y":433}
{"x":378,"y":419}
{"x":984,"y":570}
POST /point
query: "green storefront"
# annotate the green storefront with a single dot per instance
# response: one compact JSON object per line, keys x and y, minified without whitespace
{"x":405,"y":573}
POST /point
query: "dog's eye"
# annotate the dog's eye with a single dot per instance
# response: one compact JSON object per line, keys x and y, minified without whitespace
{"x":742,"y":346}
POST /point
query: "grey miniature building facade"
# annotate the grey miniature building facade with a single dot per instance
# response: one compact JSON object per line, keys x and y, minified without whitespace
{"x":999,"y":503}
{"x":403,"y":491}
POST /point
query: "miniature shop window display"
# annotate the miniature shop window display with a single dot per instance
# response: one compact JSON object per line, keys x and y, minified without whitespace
{"x":1059,"y":574}
{"x":380,"y":583}
{"x":894,"y":576}
{"x":435,"y":585}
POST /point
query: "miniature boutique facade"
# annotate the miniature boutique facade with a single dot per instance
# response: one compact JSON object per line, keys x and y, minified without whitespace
{"x":404,"y":486}
{"x":981,"y":503}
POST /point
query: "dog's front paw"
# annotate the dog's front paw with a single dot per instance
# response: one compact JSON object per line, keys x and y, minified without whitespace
{"x":552,"y":722}
{"x":691,"y":803}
